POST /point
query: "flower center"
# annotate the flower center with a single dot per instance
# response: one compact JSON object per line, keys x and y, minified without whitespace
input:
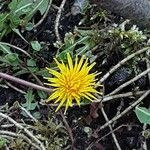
{"x":72,"y":86}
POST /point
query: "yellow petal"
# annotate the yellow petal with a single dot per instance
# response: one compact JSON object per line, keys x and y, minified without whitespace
{"x":90,"y":95}
{"x":76,"y":64}
{"x":80,"y":63}
{"x":78,"y":101}
{"x":91,"y":66}
{"x":53,"y":72}
{"x":84,"y":95}
{"x":54,"y":95}
{"x":61,"y":103}
{"x":60,"y":97}
{"x":67,"y":105}
{"x":70,"y":62}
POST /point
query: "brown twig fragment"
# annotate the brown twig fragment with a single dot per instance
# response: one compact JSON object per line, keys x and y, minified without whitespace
{"x":105,"y":98}
{"x":25,"y":83}
{"x":124,"y":95}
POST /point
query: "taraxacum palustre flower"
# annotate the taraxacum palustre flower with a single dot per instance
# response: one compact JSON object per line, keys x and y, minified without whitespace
{"x":73,"y":81}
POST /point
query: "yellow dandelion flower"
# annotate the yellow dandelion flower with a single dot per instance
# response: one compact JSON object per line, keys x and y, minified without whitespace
{"x":72,"y":82}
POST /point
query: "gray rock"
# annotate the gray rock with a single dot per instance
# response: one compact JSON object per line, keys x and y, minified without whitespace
{"x":138,"y":11}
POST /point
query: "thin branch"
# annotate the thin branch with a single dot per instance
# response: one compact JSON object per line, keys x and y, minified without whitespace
{"x":144,"y":142}
{"x":68,"y":128}
{"x":44,"y":16}
{"x":125,"y":111}
{"x":25,"y":138}
{"x":23,"y":129}
{"x":117,"y":96}
{"x":129,"y":82}
{"x":36,"y":78}
{"x":15,"y":88}
{"x":25,"y":83}
{"x":121,"y":63}
{"x":28,"y":113}
{"x":58,"y":19}
{"x":13,"y":46}
{"x":111,"y":129}
{"x":148,"y":66}
{"x":103,"y":137}
{"x":105,"y":99}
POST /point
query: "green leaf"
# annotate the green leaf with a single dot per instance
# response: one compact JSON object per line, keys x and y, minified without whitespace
{"x":31,"y":63}
{"x":13,"y":5}
{"x":5,"y":49}
{"x":36,"y":45}
{"x":2,"y":143}
{"x":42,"y":8}
{"x":18,"y":32}
{"x":29,"y":26}
{"x":3,"y":18}
{"x":20,"y":72}
{"x":37,"y":115}
{"x":12,"y":59}
{"x":40,"y":5}
{"x":143,"y":114}
{"x":42,"y":94}
{"x":29,"y":104}
{"x":33,"y":69}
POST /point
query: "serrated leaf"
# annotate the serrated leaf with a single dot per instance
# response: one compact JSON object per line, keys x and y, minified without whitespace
{"x":143,"y":114}
{"x":33,"y":69}
{"x":29,"y":104}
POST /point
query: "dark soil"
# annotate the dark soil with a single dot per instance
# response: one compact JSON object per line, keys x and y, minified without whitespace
{"x":130,"y":134}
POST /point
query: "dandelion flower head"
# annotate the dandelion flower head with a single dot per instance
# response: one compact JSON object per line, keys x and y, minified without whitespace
{"x":72,"y":82}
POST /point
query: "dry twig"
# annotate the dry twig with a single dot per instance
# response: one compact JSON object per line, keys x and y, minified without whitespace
{"x":28,"y":113}
{"x":125,"y":111}
{"x":129,"y":82}
{"x":44,"y":16}
{"x":23,"y":129}
{"x":121,"y":63}
{"x":18,"y":48}
{"x":144,"y":142}
{"x":105,"y":98}
{"x":25,"y":83}
{"x":68,"y":128}
{"x":25,"y":138}
{"x":58,"y":19}
{"x":111,"y":129}
{"x":15,"y":88}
